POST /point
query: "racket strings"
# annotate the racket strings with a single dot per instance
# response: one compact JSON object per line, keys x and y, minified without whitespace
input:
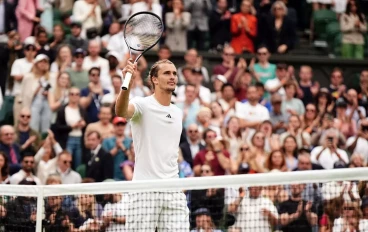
{"x":142,"y":31}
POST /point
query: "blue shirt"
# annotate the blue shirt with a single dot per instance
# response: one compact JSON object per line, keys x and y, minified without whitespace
{"x":120,"y":157}
{"x":93,"y":109}
{"x":191,"y":116}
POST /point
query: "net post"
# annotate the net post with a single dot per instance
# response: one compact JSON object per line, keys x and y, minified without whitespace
{"x":39,"y":215}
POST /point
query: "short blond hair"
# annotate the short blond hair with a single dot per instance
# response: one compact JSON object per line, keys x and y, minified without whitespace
{"x":155,"y":68}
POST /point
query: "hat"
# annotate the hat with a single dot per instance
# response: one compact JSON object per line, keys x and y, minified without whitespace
{"x":76,"y":23}
{"x":221,"y":78}
{"x":79,"y":51}
{"x":114,"y":54}
{"x":30,"y":40}
{"x":196,"y":71}
{"x":202,"y":211}
{"x":119,"y":120}
{"x":40,"y":57}
{"x":282,"y":66}
{"x":339,"y":164}
{"x":341,"y":103}
{"x":108,"y":99}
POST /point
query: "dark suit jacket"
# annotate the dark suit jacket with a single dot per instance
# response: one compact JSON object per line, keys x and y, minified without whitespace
{"x":314,"y":167}
{"x":10,"y":18}
{"x":101,"y":166}
{"x":13,"y":168}
{"x":61,"y":129}
{"x":187,"y":154}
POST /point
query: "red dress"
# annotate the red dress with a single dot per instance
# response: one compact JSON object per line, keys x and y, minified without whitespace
{"x":241,"y":40}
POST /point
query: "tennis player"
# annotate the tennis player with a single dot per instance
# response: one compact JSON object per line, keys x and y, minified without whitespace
{"x":156,"y":128}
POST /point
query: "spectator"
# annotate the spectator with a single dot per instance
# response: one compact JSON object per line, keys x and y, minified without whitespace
{"x":204,"y":121}
{"x":114,"y":59}
{"x":303,"y":138}
{"x":88,"y":12}
{"x":9,"y":146}
{"x":176,"y":27}
{"x":336,"y":87}
{"x":234,"y":134}
{"x":64,"y":169}
{"x":357,"y":161}
{"x":34,"y":91}
{"x":243,"y":29}
{"x":75,"y":40}
{"x":276,"y":85}
{"x":358,"y":143}
{"x":86,"y":211}
{"x":111,"y":12}
{"x":190,"y":106}
{"x":324,"y":101}
{"x":63,"y":59}
{"x":27,"y":138}
{"x":164,"y":52}
{"x":192,"y":145}
{"x":276,"y":161}
{"x":297,"y":214}
{"x":26,"y":171}
{"x":215,"y":153}
{"x":308,"y":89}
{"x":363,"y":88}
{"x":118,"y":146}
{"x":100,"y":164}
{"x":56,"y":218}
{"x":290,"y":151}
{"x":58,"y":38}
{"x":198,"y":27}
{"x":4,"y":170}
{"x":58,"y":95}
{"x":328,"y":154}
{"x":114,"y":213}
{"x":277,"y":30}
{"x":292,"y":105}
{"x":311,"y":119}
{"x":116,"y":42}
{"x":92,"y":94}
{"x":192,"y":61}
{"x":255,"y":208}
{"x":353,"y":108}
{"x":78,"y":76}
{"x":42,"y":44}
{"x":138,"y":89}
{"x":104,"y":127}
{"x":354,"y":27}
{"x":94,"y":60}
{"x":219,"y":24}
{"x":227,"y":67}
{"x":147,"y":5}
{"x":217,"y":119}
{"x":263,"y":69}
{"x":344,"y":123}
{"x":305,"y":163}
{"x":27,"y":17}
{"x":228,"y":102}
{"x":114,"y":28}
{"x":127,"y":167}
{"x":69,"y":125}
{"x":278,"y":118}
{"x":204,"y":221}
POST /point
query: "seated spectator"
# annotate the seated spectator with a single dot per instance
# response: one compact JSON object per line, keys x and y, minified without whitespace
{"x":192,"y":145}
{"x":43,"y":46}
{"x":324,"y":101}
{"x":95,"y":60}
{"x":227,"y":68}
{"x":342,"y":122}
{"x":311,"y":119}
{"x":277,"y":31}
{"x":127,"y":167}
{"x":328,"y":154}
{"x":92,"y":94}
{"x":190,"y":106}
{"x":233,"y":133}
{"x":104,"y":127}
{"x":114,"y":212}
{"x":278,"y":119}
{"x":4,"y":170}
{"x":164,"y":52}
{"x":346,"y":190}
{"x":276,"y":85}
{"x":28,"y":162}
{"x":243,"y":163}
{"x":290,"y":152}
{"x":78,"y":76}
{"x":59,"y":94}
{"x":308,"y":89}
{"x":358,"y":143}
{"x":303,"y":138}
{"x":192,"y":61}
{"x":276,"y":161}
{"x":292,"y":105}
{"x":243,"y":29}
{"x":114,"y":28}
{"x":229,"y":103}
{"x":258,"y":154}
{"x":63,"y":59}
{"x":337,"y":87}
{"x":116,"y":42}
{"x":353,"y":109}
{"x":177,"y":23}
{"x":357,"y":161}
{"x":11,"y":149}
{"x":57,"y":39}
{"x":86,"y":209}
{"x":204,"y":221}
{"x":219,"y":25}
{"x":89,"y":13}
{"x":263,"y":69}
{"x":114,"y":59}
{"x":353,"y":27}
{"x":215,"y":153}
{"x":204,"y":121}
{"x":27,"y":138}
{"x":64,"y":164}
{"x":100,"y":164}
{"x":305,"y":163}
{"x":75,"y":40}
{"x":138,"y":88}
{"x":351,"y":218}
{"x":217,"y":119}
{"x":118,"y":146}
{"x":56,"y":219}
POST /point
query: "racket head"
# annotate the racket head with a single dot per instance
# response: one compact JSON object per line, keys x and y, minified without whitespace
{"x":142,"y":31}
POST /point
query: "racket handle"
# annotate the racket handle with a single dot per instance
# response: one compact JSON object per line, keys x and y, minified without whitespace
{"x":127,"y":78}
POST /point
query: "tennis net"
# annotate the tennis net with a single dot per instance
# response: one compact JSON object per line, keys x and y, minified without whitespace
{"x":334,"y":200}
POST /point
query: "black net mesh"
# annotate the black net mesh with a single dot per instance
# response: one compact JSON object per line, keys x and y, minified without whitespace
{"x":332,"y":206}
{"x":143,"y":31}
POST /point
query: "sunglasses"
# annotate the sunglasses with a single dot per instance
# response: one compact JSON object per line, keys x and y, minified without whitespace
{"x":94,"y":74}
{"x":349,"y":208}
{"x":74,"y":94}
{"x":8,"y":134}
{"x":121,"y":124}
{"x":262,"y":53}
{"x":28,"y":161}
{"x":244,"y":149}
{"x":205,"y":171}
{"x":229,"y":54}
{"x":25,"y":116}
{"x":79,"y":57}
{"x":193,"y":131}
{"x":67,"y":162}
{"x":276,"y":103}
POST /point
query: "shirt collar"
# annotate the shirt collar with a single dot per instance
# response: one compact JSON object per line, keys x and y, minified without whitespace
{"x":95,"y":151}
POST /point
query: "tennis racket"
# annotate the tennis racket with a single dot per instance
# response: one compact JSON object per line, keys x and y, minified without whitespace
{"x":142,"y":32}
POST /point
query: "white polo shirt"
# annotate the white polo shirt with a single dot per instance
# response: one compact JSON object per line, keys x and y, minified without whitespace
{"x":156,"y":131}
{"x":252,"y":113}
{"x":327,"y":160}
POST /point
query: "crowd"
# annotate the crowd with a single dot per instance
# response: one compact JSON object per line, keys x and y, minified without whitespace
{"x":242,"y":117}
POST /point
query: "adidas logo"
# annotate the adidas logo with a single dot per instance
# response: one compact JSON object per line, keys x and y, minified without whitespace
{"x":168,"y":116}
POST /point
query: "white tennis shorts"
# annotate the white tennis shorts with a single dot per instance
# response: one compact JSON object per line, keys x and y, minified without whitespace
{"x":166,"y":211}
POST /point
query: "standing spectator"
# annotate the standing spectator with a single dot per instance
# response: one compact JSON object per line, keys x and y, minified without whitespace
{"x":103,"y":126}
{"x":337,"y":87}
{"x":190,"y":106}
{"x":198,"y":27}
{"x":147,"y":5}
{"x":303,"y":138}
{"x":354,"y":27}
{"x":4,"y":170}
{"x":26,"y":13}
{"x":292,"y":105}
{"x":297,"y":214}
{"x":69,"y":125}
{"x":219,"y":24}
{"x":117,"y":42}
{"x":243,"y":29}
{"x":114,"y":28}
{"x":176,"y":27}
{"x":63,"y":59}
{"x":328,"y":154}
{"x":91,"y":95}
{"x":100,"y":164}
{"x":344,"y":123}
{"x":308,"y":89}
{"x":42,"y":44}
{"x":95,"y":60}
{"x":118,"y":146}
{"x":192,"y":145}
{"x":228,"y":67}
{"x":58,"y":38}
{"x":277,"y":31}
{"x":276,"y":85}
{"x":88,"y":12}
{"x":27,"y":138}
{"x":263,"y":69}
{"x":254,"y":212}
{"x":78,"y":76}
{"x":192,"y":61}
{"x":111,"y":12}
{"x":357,"y":112}
{"x":10,"y":148}
{"x":64,"y":169}
{"x":58,"y":95}
{"x":26,"y":171}
{"x":75,"y":40}
{"x":35,"y":89}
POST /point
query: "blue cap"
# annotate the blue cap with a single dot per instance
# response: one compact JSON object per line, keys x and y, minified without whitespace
{"x":202,"y":211}
{"x":79,"y":51}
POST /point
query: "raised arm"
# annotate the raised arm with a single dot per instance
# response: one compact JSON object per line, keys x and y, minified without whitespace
{"x":122,"y":106}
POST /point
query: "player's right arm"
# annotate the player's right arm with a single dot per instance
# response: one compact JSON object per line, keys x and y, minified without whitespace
{"x":122,"y":107}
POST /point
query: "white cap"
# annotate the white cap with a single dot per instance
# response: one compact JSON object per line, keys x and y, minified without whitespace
{"x":30,"y":40}
{"x":114,"y":54}
{"x":107,"y":99}
{"x":40,"y":57}
{"x":221,"y":78}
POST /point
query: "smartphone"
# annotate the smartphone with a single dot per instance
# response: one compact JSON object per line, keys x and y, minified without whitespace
{"x":330,"y":139}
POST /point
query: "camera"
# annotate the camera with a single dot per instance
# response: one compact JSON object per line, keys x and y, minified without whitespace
{"x":330,"y":139}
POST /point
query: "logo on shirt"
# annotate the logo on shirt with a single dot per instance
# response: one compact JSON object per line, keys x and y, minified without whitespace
{"x":168,"y":116}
